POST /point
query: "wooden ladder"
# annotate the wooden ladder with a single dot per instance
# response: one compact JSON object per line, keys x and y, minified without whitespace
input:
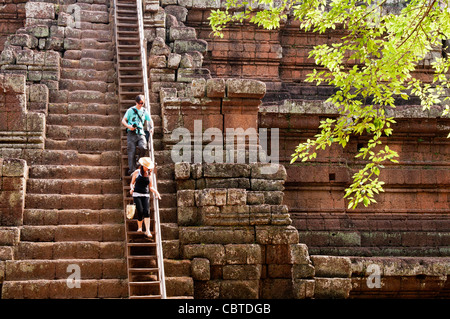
{"x":144,"y":256}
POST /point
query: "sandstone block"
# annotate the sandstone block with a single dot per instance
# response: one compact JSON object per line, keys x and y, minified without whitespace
{"x":182,"y":33}
{"x":303,"y":288}
{"x":276,"y":235}
{"x":332,"y":266}
{"x":245,"y":88}
{"x":14,"y":167}
{"x":303,"y":271}
{"x":40,"y":10}
{"x":242,"y":254}
{"x":215,"y":253}
{"x":239,"y":289}
{"x":241,"y":272}
{"x":236,"y":196}
{"x":182,"y":170}
{"x":200,"y":269}
{"x":184,"y":46}
{"x":173,"y":60}
{"x":215,"y":88}
{"x":187,"y":216}
{"x":332,"y":288}
{"x":198,"y":87}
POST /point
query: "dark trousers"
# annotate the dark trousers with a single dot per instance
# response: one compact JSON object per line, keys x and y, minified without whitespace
{"x":142,"y":207}
{"x":134,"y":140}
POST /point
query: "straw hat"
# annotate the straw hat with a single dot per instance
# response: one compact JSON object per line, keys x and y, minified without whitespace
{"x":147,"y":162}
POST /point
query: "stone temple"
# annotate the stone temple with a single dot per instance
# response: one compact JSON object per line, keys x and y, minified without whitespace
{"x":240,"y":229}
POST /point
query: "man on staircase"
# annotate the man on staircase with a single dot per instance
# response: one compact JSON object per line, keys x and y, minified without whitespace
{"x":137,"y":136}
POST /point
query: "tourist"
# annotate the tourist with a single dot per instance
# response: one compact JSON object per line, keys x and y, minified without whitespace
{"x":137,"y":141}
{"x":141,"y":186}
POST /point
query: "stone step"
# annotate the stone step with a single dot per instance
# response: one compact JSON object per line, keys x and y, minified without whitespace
{"x":87,"y":63}
{"x":70,"y":157}
{"x":83,"y":108}
{"x":177,"y":268}
{"x":179,"y":286}
{"x":74,"y":41}
{"x":83,"y":120}
{"x":168,"y":215}
{"x":74,"y":85}
{"x":78,"y":172}
{"x":57,"y":201}
{"x":87,"y":5}
{"x":40,"y":216}
{"x":169,"y":231}
{"x":171,"y":249}
{"x":70,"y":250}
{"x":64,"y":132}
{"x":91,"y":145}
{"x":60,"y":233}
{"x":88,"y":75}
{"x":17,"y":270}
{"x":58,"y":289}
{"x":98,"y":55}
{"x":74,"y":186}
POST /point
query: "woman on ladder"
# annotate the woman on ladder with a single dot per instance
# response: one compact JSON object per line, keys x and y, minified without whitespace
{"x":141,"y":186}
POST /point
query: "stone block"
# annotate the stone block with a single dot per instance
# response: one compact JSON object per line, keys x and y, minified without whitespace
{"x":298,"y":254}
{"x":40,"y":10}
{"x":215,"y":88}
{"x":236,"y":196}
{"x":239,"y":289}
{"x":303,"y":288}
{"x":185,"y":46}
{"x":200,"y":269}
{"x":215,"y":253}
{"x":180,"y":13}
{"x":190,"y":74}
{"x":255,"y":198}
{"x":187,"y":216}
{"x":332,"y":266}
{"x":182,"y":170}
{"x":14,"y":167}
{"x":266,"y":185}
{"x":198,"y":87}
{"x":332,"y":288}
{"x":173,"y":60}
{"x":23,"y":40}
{"x":268,"y":171}
{"x":241,"y":272}
{"x":243,"y":254}
{"x":226,"y":170}
{"x":303,"y":271}
{"x":157,"y":61}
{"x":245,"y":88}
{"x":182,"y":33}
{"x":159,"y":47}
{"x":276,"y":235}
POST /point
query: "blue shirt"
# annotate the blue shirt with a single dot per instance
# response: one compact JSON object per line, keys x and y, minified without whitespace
{"x":132,"y":118}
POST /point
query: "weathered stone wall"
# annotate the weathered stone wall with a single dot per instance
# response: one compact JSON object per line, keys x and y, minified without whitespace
{"x":19,"y":126}
{"x":13,"y":175}
{"x":411,"y":217}
{"x":12,"y":18}
{"x":237,"y":232}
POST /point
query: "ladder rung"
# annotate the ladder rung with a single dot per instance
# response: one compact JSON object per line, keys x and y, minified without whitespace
{"x":143,"y":269}
{"x":131,"y":84}
{"x":126,"y":11}
{"x":141,"y":244}
{"x":143,"y":283}
{"x":141,"y":257}
{"x":146,"y":297}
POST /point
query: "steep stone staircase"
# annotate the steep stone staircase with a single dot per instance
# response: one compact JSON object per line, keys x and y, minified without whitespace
{"x":73,"y":219}
{"x":74,"y":225}
{"x":141,"y":254}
